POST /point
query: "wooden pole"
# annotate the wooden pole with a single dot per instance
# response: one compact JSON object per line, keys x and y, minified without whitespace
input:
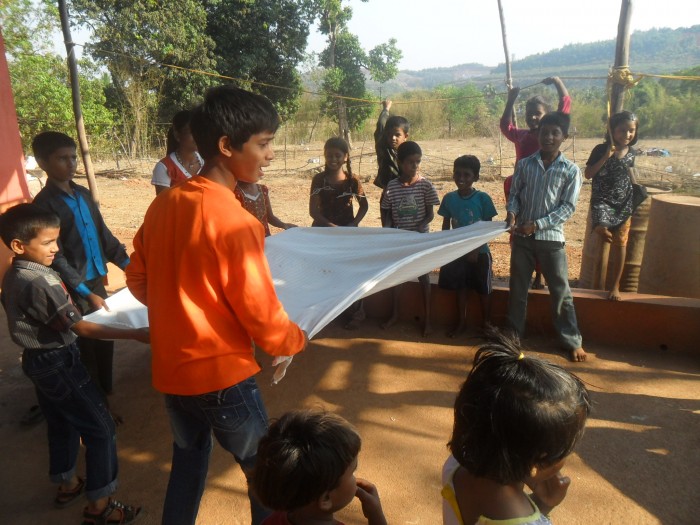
{"x":622,"y":55}
{"x":509,"y":73}
{"x":77,"y":111}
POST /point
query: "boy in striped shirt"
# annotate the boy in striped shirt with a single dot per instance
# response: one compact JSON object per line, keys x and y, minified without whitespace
{"x":543,"y":196}
{"x":407,"y":203}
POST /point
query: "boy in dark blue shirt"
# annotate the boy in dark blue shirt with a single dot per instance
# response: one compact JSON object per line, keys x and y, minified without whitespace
{"x":85,"y":243}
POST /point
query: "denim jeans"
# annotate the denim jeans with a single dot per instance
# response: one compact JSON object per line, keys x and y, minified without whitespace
{"x":74,"y":407}
{"x":237,"y":417}
{"x":552,"y":258}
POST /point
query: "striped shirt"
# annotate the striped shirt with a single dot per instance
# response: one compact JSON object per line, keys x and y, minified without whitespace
{"x":408,"y":203}
{"x":39,"y":310}
{"x":546,"y":196}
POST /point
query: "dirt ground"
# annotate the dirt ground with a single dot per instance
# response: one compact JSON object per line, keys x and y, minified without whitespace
{"x":637,"y":463}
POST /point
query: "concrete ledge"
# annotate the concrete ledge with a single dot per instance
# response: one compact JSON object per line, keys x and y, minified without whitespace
{"x":646,"y":321}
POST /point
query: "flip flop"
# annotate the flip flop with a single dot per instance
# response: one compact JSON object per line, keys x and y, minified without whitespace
{"x":65,"y":498}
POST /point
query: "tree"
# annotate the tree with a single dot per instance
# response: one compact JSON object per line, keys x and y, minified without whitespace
{"x":262,"y":42}
{"x":345,"y":62}
{"x":40,"y":78}
{"x":132,"y":38}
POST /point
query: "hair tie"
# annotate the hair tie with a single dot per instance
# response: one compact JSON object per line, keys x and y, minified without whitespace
{"x":521,"y":356}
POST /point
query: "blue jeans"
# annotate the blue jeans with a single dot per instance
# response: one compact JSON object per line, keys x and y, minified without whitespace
{"x":237,"y":417}
{"x":74,"y":407}
{"x":552,"y":258}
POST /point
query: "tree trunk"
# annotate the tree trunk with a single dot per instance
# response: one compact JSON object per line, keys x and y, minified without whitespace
{"x":509,"y":73}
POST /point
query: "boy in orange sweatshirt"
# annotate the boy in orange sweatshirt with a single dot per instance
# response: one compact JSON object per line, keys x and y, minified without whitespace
{"x":199,"y":266}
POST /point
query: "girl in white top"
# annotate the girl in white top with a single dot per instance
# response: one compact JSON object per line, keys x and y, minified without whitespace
{"x":517,"y":418}
{"x":182,"y":160}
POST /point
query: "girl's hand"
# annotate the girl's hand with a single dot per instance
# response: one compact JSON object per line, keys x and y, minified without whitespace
{"x":369,"y":499}
{"x":513,"y":94}
{"x":550,"y":492}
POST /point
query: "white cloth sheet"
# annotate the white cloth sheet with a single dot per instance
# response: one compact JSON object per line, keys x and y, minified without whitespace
{"x":319,"y":272}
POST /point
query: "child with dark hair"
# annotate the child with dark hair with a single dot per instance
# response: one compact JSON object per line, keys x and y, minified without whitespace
{"x":331,"y":202}
{"x":390,"y":133}
{"x":545,"y":190}
{"x":255,"y":198}
{"x":43,"y":320}
{"x":306,"y":471}
{"x":86,"y":245}
{"x":199,"y":265}
{"x":525,"y":140}
{"x":611,"y":167}
{"x":181,"y":159}
{"x":408,"y":204}
{"x":516,"y":419}
{"x":334,"y":189}
{"x":472,"y":271}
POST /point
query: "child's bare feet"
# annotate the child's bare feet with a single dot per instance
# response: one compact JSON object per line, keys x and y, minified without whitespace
{"x":390,"y":322}
{"x":604,"y":233}
{"x":614,"y":295}
{"x":578,"y":355}
{"x":459,"y":330}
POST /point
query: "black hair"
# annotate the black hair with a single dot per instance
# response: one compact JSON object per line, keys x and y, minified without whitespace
{"x":303,"y":455}
{"x":232,"y":112}
{"x":407,"y":149}
{"x":180,"y":121}
{"x":341,"y":144}
{"x":516,"y":411}
{"x":45,"y":143}
{"x":538,"y":100}
{"x":469,"y":162}
{"x":619,"y":118}
{"x":396,"y":122}
{"x":556,"y":118}
{"x":25,"y":221}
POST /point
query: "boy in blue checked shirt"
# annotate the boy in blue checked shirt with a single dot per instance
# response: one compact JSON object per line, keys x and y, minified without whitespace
{"x":86,"y":244}
{"x":543,"y":196}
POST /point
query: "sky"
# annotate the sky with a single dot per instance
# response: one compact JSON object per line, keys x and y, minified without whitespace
{"x":443,"y":33}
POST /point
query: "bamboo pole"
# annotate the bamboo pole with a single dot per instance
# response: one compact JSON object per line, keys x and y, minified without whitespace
{"x":77,"y":110}
{"x":622,"y":55}
{"x":509,"y":73}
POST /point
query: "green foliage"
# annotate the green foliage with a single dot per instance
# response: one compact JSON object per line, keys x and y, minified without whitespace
{"x":262,"y":41}
{"x":130,"y":37}
{"x":345,"y":62}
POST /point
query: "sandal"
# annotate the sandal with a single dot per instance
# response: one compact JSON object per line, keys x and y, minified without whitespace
{"x":115,"y":513}
{"x":64,"y":498}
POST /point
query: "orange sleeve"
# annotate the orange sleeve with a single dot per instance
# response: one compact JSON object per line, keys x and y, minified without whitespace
{"x":249,"y":289}
{"x":136,"y":270}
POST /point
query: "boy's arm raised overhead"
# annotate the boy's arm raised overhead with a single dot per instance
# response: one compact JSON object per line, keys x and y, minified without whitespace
{"x":564,"y":98}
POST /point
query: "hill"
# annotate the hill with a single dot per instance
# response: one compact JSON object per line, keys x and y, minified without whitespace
{"x":656,"y":51}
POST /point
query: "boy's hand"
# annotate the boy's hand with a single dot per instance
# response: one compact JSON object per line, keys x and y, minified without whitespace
{"x":550,"y":492}
{"x":510,"y":221}
{"x":386,"y":104}
{"x":143,"y":335}
{"x":513,"y":94}
{"x":288,"y":225}
{"x":527,"y":229}
{"x":549,"y":80}
{"x":96,"y":302}
{"x":371,"y":505}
